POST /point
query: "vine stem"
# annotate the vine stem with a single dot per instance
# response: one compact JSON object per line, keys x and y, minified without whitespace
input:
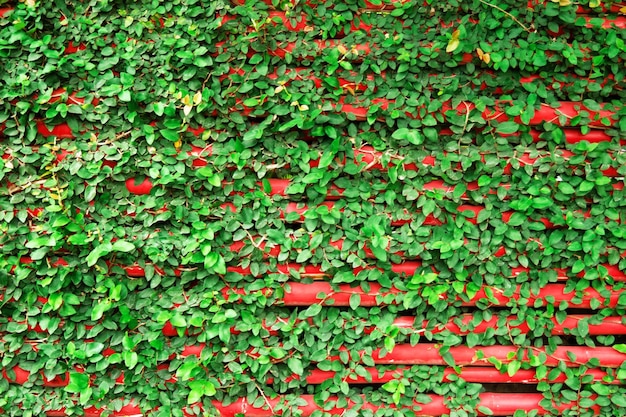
{"x":267,"y":401}
{"x":508,"y":14}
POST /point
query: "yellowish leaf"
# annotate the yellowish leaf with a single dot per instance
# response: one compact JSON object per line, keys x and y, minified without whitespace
{"x":197,"y":98}
{"x":452,"y":45}
{"x":485,"y":57}
{"x":342,"y":49}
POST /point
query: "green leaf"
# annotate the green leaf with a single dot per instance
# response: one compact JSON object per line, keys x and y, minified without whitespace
{"x":473,"y":339}
{"x":379,"y":253}
{"x":314,"y":176}
{"x":178,"y":320}
{"x":411,"y":135}
{"x":186,"y":370}
{"x":125,"y":96}
{"x":312,"y":310}
{"x":203,"y":61}
{"x":484,"y":180}
{"x":195,"y":395}
{"x":601,"y":389}
{"x":541,"y":203}
{"x":619,"y":400}
{"x":355,"y":301}
{"x":517,"y":219}
{"x":326,"y":159}
{"x":620,"y":347}
{"x":60,"y":221}
{"x":159,"y":108}
{"x":78,"y":382}
{"x":93,"y":348}
{"x":55,"y":300}
{"x":98,"y":252}
{"x":484,"y":410}
{"x":277,"y":353}
{"x":389,"y":344}
{"x":170,"y":135}
{"x":430,"y":133}
{"x":566,"y":188}
{"x":123,"y":246}
{"x":252,"y":102}
{"x":304,"y":255}
{"x":220,"y":266}
{"x":78,"y":239}
{"x":578,"y":266}
{"x":513,"y":367}
{"x":507,"y":128}
{"x":331,"y":132}
{"x":214,"y":180}
{"x":586,"y":186}
{"x":99,"y":309}
{"x":391,"y":386}
{"x":295,"y":365}
{"x":209,"y":388}
{"x":130,"y":359}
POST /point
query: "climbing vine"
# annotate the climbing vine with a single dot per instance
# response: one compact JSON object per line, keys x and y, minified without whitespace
{"x":205,"y":204}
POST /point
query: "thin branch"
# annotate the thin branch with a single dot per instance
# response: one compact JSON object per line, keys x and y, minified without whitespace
{"x":19,"y":188}
{"x":467,"y":113}
{"x":508,"y":14}
{"x":267,"y":401}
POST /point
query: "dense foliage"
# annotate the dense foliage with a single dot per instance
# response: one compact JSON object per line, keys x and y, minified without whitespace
{"x":144,"y":144}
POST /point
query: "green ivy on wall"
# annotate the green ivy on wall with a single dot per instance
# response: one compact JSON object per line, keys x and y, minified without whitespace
{"x":180,"y":164}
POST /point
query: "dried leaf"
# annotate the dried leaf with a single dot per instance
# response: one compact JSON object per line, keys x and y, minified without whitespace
{"x":485,"y":57}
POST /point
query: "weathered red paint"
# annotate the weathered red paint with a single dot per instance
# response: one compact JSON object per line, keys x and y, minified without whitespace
{"x":142,"y":188}
{"x":462,"y":325}
{"x":499,"y":404}
{"x":469,"y":374}
{"x":61,"y":131}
